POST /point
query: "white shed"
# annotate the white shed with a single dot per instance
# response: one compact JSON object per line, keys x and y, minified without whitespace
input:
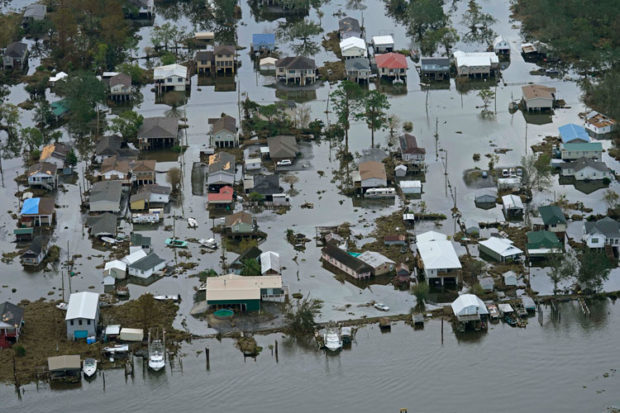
{"x":270,"y":263}
{"x":383,"y":44}
{"x":468,"y":307}
{"x":501,"y":46}
{"x":510,"y":278}
{"x":411,"y":187}
{"x":400,"y":171}
{"x":353,"y":47}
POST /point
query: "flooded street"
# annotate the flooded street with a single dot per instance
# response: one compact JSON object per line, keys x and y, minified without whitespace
{"x":556,"y":366}
{"x":563,"y":366}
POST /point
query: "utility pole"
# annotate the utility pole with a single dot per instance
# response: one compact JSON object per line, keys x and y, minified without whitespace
{"x":436,"y":139}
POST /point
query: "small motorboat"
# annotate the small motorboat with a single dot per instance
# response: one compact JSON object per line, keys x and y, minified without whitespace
{"x":192,"y":223}
{"x":332,"y":340}
{"x":176,"y":243}
{"x":119,"y":348}
{"x":108,"y":240}
{"x":493,"y":312}
{"x":346,"y":333}
{"x":209,"y":243}
{"x":173,"y":297}
{"x":89,"y":367}
{"x":156,"y":355}
{"x":62,"y":306}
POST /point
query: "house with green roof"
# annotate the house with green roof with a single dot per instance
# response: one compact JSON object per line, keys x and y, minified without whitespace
{"x":542,"y":244}
{"x":553,"y":218}
{"x":589,"y":150}
{"x":60,"y":109}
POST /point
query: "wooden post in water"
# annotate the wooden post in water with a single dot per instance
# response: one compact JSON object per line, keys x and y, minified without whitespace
{"x":276,"y":351}
{"x":103,"y":377}
{"x":207,"y":357}
{"x":442,"y":330}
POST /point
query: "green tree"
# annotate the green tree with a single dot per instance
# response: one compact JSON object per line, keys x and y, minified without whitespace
{"x":300,"y":317}
{"x":82,"y":92}
{"x":562,"y":267}
{"x":424,"y":15}
{"x":594,"y":269}
{"x":375,"y":106}
{"x":346,"y":102}
{"x":9,"y":122}
{"x":301,"y":34}
{"x":127,"y":124}
{"x":256,"y":197}
{"x":250,"y":267}
{"x":474,"y":18}
{"x":487,"y":95}
{"x":33,"y":138}
{"x":173,"y":177}
{"x":420,"y":291}
{"x":71,"y":159}
{"x":536,"y":172}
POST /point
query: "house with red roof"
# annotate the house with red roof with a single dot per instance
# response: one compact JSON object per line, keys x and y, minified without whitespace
{"x":223,"y":198}
{"x":391,"y":65}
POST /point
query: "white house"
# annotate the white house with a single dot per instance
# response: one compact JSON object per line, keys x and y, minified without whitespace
{"x":430,"y":236}
{"x":513,"y":206}
{"x":372,"y":174}
{"x":575,"y":151}
{"x":43,"y":174}
{"x":171,"y":77}
{"x":353,"y":47}
{"x":438,"y":260}
{"x":599,"y":123}
{"x":147,"y":266}
{"x":134,"y":257}
{"x":510,"y":278}
{"x":501,"y":46}
{"x":475,"y":63}
{"x":82,"y":315}
{"x":116,"y":269}
{"x":538,"y":97}
{"x":269,"y":263}
{"x":500,"y":249}
{"x":411,"y":187}
{"x":468,"y":307}
{"x":383,"y":44}
{"x":223,"y":132}
{"x":512,"y":183}
{"x":603,"y":232}
{"x":586,"y":170}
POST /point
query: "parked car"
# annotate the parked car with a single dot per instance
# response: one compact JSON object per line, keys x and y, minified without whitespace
{"x":382,"y":307}
{"x":284,"y":162}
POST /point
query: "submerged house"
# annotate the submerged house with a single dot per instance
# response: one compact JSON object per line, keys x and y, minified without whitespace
{"x":244,"y":293}
{"x":349,"y":27}
{"x":353,"y":47}
{"x":438,"y":260}
{"x":392,"y":65}
{"x":55,"y":153}
{"x":223,"y":132}
{"x":11,"y":322}
{"x":222,"y":169}
{"x":599,"y":124}
{"x":282,"y":147}
{"x":372,"y":174}
{"x":585,"y":169}
{"x":240,"y":224}
{"x":513,"y":206}
{"x":435,"y":68}
{"x":297,"y":69}
{"x":357,"y":69}
{"x":269,"y":263}
{"x":475,"y":64}
{"x":601,"y":233}
{"x":43,"y":174}
{"x":204,"y":60}
{"x":542,"y":244}
{"x":501,"y":47}
{"x":571,"y":133}
{"x":82,"y":316}
{"x":65,"y":368}
{"x":469,"y":307}
{"x":146,"y":267}
{"x":380,"y":264}
{"x":345,"y":262}
{"x":410,"y":152}
{"x":35,"y":254}
{"x":158,"y":133}
{"x":37,"y":212}
{"x":15,"y":56}
{"x":119,"y":87}
{"x":105,"y":196}
{"x":113,"y":146}
{"x":383,"y":44}
{"x":575,"y":151}
{"x":103,"y":225}
{"x":538,"y":97}
{"x":225,"y":58}
{"x":174,"y":77}
{"x":553,"y":218}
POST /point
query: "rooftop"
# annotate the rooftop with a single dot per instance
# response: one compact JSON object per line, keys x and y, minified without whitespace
{"x":82,"y":305}
{"x":571,"y":132}
{"x":538,"y":91}
{"x":391,"y":61}
{"x":237,"y":287}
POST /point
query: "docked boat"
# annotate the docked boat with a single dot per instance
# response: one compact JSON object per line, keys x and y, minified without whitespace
{"x":493,"y":312}
{"x":176,"y":243}
{"x":521,"y":311}
{"x":192,"y":223}
{"x":89,"y":367}
{"x":156,"y":355}
{"x":332,"y":340}
{"x":209,"y":243}
{"x":108,"y":240}
{"x":172,"y":297}
{"x":346,"y":333}
{"x":119,"y":348}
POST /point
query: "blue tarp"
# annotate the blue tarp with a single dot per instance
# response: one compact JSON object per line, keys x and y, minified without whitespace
{"x":263,"y":40}
{"x":571,"y":132}
{"x":31,"y":206}
{"x":80,"y":333}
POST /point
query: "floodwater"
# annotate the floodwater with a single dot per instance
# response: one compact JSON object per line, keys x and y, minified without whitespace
{"x":564,"y":365}
{"x":511,"y":370}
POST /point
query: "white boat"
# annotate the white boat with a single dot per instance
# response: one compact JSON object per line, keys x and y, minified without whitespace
{"x":173,"y":297}
{"x":332,"y":340}
{"x":119,"y":348}
{"x":89,"y":367}
{"x":156,"y":355}
{"x":210,"y":243}
{"x":108,"y":240}
{"x":62,"y":306}
{"x":192,"y":223}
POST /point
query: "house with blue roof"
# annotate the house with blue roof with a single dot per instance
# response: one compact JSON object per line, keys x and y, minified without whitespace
{"x":263,"y":42}
{"x":37,"y":212}
{"x":571,"y":133}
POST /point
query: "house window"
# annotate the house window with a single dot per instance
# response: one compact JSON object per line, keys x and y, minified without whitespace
{"x":169,"y":80}
{"x":88,"y":322}
{"x":595,"y":240}
{"x":71,"y":322}
{"x":80,"y":322}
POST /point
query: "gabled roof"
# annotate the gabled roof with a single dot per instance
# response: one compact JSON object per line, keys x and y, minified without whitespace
{"x":106,"y":191}
{"x":283,"y":146}
{"x":56,"y":150}
{"x":82,"y":305}
{"x":391,"y":61}
{"x":206,"y":55}
{"x":537,"y":91}
{"x":438,"y":255}
{"x":468,"y":304}
{"x":238,"y":287}
{"x":36,"y":246}
{"x":222,"y":162}
{"x":146,"y":263}
{"x":374,"y":259}
{"x":357,"y":64}
{"x":512,"y":202}
{"x":296,"y":62}
{"x":112,"y":164}
{"x":225,"y":195}
{"x":468,"y":59}
{"x":606,"y":226}
{"x":134,"y":256}
{"x":372,"y":169}
{"x":251,"y":253}
{"x":239,"y":217}
{"x":434,"y":64}
{"x":353,"y":42}
{"x":159,"y":127}
{"x":571,"y":132}
{"x":551,"y":215}
{"x":501,"y":246}
{"x":223,"y":123}
{"x":224,"y":49}
{"x":582,"y":163}
{"x":101,"y":225}
{"x":16,"y":49}
{"x":35,"y":11}
{"x":544,"y":239}
{"x":269,"y":260}
{"x":163,"y":72}
{"x":140,"y":240}
{"x":11,"y":316}
{"x":346,"y":259}
{"x":348,"y":24}
{"x":499,"y":40}
{"x":384,"y":40}
{"x":409,"y":144}
{"x":145,"y":165}
{"x":108,"y":145}
{"x":120,"y":79}
{"x":38,"y":206}
{"x":115,"y":264}
{"x":42,"y":167}
{"x":431,"y":236}
{"x":263,"y":39}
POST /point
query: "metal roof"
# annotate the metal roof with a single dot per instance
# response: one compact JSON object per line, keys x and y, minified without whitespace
{"x":237,"y":287}
{"x":70,"y":362}
{"x":82,"y":305}
{"x":438,"y":255}
{"x":571,"y":132}
{"x":163,"y":72}
{"x":468,"y":304}
{"x":269,"y":260}
{"x":501,"y":246}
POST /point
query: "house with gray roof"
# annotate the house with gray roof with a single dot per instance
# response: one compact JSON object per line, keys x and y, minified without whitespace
{"x":82,"y":315}
{"x":222,"y":169}
{"x":158,"y":133}
{"x":119,"y":87}
{"x":603,"y":232}
{"x":349,"y":27}
{"x":223,"y":132}
{"x":113,"y":145}
{"x":15,"y":56}
{"x":296,"y":69}
{"x":34,"y":13}
{"x":435,"y":68}
{"x":105,"y":196}
{"x":103,"y":225}
{"x":357,"y":69}
{"x":585,"y":169}
{"x":146,"y":267}
{"x":36,"y":252}
{"x":282,"y":147}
